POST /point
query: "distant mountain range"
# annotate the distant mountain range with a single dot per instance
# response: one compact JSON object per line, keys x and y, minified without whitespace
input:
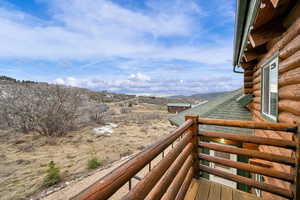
{"x":203,"y":96}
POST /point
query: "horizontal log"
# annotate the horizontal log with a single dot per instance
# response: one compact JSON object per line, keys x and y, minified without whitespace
{"x":256,"y":87}
{"x":143,"y":187}
{"x":250,"y":139}
{"x":249,"y":168}
{"x":250,"y":56}
{"x":290,"y":63}
{"x":256,"y":73}
{"x":289,"y":106}
{"x":250,"y":153}
{"x":291,"y":48}
{"x":257,"y":93}
{"x":291,"y":92}
{"x":247,"y":91}
{"x":290,"y":77}
{"x":247,"y":78}
{"x":248,"y":65}
{"x":105,"y":187}
{"x":291,"y":33}
{"x":248,"y":73}
{"x":265,"y":33}
{"x":256,"y":106}
{"x":256,"y":100}
{"x":249,"y":182}
{"x":177,"y":182}
{"x":249,"y":124}
{"x":256,"y":80}
{"x":288,"y":118}
{"x":185,"y":185}
{"x":248,"y":84}
{"x":162,"y":186}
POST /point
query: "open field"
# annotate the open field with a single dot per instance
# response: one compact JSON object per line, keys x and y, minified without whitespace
{"x":24,"y":157}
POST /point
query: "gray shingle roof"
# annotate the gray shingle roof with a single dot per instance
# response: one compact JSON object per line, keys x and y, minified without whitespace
{"x":222,"y":107}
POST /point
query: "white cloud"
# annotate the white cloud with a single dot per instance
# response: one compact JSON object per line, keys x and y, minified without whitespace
{"x":138,"y":83}
{"x":139,"y":77}
{"x":59,"y":81}
{"x":85,"y":30}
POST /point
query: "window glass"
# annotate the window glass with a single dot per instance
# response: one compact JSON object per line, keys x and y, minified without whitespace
{"x":273,"y":89}
{"x":266,"y":89}
{"x":270,"y":89}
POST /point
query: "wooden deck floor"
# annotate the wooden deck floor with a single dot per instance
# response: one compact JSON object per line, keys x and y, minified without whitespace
{"x":204,"y":189}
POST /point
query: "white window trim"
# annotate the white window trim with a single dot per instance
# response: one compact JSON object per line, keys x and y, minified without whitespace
{"x":269,"y":64}
{"x":258,"y":178}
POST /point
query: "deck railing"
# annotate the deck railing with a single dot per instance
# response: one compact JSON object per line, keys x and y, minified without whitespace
{"x":172,"y":175}
{"x":169,"y":178}
{"x":281,"y":159}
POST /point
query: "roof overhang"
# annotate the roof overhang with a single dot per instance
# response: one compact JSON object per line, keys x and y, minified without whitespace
{"x":246,"y":11}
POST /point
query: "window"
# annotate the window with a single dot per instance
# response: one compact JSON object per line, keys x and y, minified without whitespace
{"x":222,"y":155}
{"x":258,"y":178}
{"x":270,"y":89}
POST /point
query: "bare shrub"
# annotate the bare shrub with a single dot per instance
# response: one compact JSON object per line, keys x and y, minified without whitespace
{"x":47,"y":109}
{"x":97,"y":117}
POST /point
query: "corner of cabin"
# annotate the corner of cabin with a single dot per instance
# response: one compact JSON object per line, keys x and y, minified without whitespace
{"x":227,"y":106}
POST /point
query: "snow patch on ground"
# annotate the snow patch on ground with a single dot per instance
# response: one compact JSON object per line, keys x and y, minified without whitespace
{"x":106,"y":130}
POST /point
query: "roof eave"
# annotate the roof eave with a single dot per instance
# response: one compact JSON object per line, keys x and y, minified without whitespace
{"x":245,"y":14}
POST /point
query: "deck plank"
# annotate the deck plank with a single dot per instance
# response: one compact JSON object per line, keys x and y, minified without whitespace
{"x":192,"y":191}
{"x":240,"y":195}
{"x":215,"y":191}
{"x":203,"y":191}
{"x":226,"y":193}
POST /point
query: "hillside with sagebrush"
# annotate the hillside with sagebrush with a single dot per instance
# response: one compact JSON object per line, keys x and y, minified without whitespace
{"x":52,"y":135}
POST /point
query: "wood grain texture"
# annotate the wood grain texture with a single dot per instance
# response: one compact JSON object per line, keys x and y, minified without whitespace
{"x":250,"y":139}
{"x":290,"y":92}
{"x":249,"y":168}
{"x":180,"y":152}
{"x":249,"y":182}
{"x":177,"y":182}
{"x":193,"y":189}
{"x":291,"y":48}
{"x":249,"y":124}
{"x":250,"y":153}
{"x":290,"y":77}
{"x":185,"y":185}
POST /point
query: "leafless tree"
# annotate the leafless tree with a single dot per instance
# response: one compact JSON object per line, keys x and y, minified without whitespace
{"x":47,"y":109}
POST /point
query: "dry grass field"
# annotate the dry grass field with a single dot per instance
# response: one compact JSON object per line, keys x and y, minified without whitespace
{"x":24,"y":157}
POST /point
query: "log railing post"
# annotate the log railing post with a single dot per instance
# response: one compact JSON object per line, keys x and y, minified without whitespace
{"x":193,"y":129}
{"x":296,"y":185}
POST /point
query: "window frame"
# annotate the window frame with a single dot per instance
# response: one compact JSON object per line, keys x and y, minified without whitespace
{"x":268,"y":116}
{"x":258,"y":178}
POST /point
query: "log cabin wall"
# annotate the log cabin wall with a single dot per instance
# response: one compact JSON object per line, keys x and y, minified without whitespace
{"x":288,"y":46}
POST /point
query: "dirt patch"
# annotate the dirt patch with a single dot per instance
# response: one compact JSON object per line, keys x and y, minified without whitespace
{"x":24,"y":158}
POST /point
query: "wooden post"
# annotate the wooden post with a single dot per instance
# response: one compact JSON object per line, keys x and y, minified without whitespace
{"x":194,"y":131}
{"x":296,"y":187}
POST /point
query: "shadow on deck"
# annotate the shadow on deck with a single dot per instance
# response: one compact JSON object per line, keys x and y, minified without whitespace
{"x":204,"y":189}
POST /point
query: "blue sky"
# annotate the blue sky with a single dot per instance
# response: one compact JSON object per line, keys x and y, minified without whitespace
{"x":125,"y":46}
